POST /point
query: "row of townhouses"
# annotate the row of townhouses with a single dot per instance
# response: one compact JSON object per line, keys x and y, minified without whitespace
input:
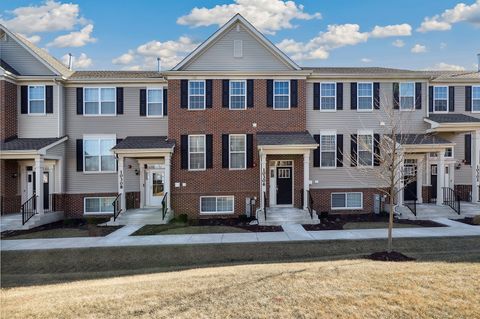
{"x":234,"y":127}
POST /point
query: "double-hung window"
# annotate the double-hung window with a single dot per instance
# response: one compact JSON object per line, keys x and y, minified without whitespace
{"x":281,"y":95}
{"x":365,"y":97}
{"x":365,"y":149}
{"x":440,"y":99}
{"x":407,"y":96}
{"x":328,"y":96}
{"x":100,"y":101}
{"x":328,"y":149}
{"x":352,"y":200}
{"x":196,"y":95}
{"x":475,"y":98}
{"x":238,"y":152}
{"x":216,"y":204}
{"x":98,"y":205}
{"x":36,"y":99}
{"x":155,"y":102}
{"x":97,"y":154}
{"x":238,"y":99}
{"x":196,"y":152}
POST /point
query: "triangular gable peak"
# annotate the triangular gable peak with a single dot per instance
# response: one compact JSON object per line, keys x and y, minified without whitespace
{"x":237,"y":46}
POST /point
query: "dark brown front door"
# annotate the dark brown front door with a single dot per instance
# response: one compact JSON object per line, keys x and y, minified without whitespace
{"x":284,"y":185}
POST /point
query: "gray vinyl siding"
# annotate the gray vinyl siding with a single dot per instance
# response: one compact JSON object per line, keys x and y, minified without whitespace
{"x":128,"y":124}
{"x":219,"y":56}
{"x":463,"y":176}
{"x":58,"y":151}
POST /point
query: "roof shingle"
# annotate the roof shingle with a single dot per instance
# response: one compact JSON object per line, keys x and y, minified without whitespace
{"x":452,"y":118}
{"x":28,"y":144}
{"x":144,"y":142}
{"x":285,"y":138}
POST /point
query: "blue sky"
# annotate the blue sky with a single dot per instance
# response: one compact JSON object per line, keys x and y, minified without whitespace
{"x":106,"y":35}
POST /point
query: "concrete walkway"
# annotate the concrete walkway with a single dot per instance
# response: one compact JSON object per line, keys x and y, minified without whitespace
{"x":121,"y":237}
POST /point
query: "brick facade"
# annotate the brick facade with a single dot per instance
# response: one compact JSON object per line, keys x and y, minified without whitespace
{"x":322,"y":200}
{"x":9,"y":182}
{"x":8,"y":110}
{"x":73,"y":203}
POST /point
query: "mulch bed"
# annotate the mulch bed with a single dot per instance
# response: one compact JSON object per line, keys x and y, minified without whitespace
{"x":389,"y":256}
{"x":243,"y":223}
{"x":466,"y":220}
{"x":336,"y":222}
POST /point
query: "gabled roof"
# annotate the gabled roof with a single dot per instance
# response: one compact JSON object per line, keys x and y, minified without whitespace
{"x":80,"y":75}
{"x":4,"y":65}
{"x":258,"y":35}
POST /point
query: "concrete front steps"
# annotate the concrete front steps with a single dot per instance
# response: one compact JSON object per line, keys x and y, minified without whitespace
{"x":141,"y":216}
{"x":14,"y":221}
{"x":286,"y":216}
{"x":429,"y":211}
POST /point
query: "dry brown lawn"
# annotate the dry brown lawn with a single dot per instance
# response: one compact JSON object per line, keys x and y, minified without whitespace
{"x":338,"y":289}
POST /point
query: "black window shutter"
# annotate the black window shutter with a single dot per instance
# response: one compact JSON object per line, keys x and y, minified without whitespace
{"x":79,"y":155}
{"x":79,"y":101}
{"x":376,"y":96}
{"x":184,"y":151}
{"x":250,"y":93}
{"x":316,"y":96}
{"x":119,"y":100}
{"x":143,"y":102}
{"x":269,"y":93}
{"x":353,"y":95}
{"x":396,"y":96}
{"x":165,"y":102}
{"x":339,"y":150}
{"x":418,"y":95}
{"x":225,"y":93}
{"x":225,"y":147}
{"x":468,"y":98}
{"x":339,"y":96}
{"x":376,"y":149}
{"x":430,"y":99}
{"x":249,"y":150}
{"x":184,"y":94}
{"x":208,"y":94}
{"x":353,"y":150}
{"x":316,"y":152}
{"x":293,"y":93}
{"x":209,"y":150}
{"x":468,"y":149}
{"x":451,"y":99}
{"x":24,"y":99}
{"x":48,"y":99}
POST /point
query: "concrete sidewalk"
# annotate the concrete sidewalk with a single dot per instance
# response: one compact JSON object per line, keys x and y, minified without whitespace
{"x":121,"y":237}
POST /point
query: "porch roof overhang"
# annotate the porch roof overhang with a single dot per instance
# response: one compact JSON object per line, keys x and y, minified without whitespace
{"x":452,"y":123}
{"x":27,"y":148}
{"x":144,"y":146}
{"x":285,"y":142}
{"x":423,"y":143}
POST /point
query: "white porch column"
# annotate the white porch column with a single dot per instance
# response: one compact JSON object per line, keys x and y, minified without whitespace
{"x":401,"y":183}
{"x":167,"y":180}
{"x":420,"y":171}
{"x":39,"y":166}
{"x":475,"y":164}
{"x":263,"y":178}
{"x":306,"y":179}
{"x":121,"y":183}
{"x":440,"y":176}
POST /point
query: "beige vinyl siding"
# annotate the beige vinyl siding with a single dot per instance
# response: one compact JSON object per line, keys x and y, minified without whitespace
{"x":219,"y":56}
{"x":460,"y":102}
{"x":128,"y":124}
{"x":132,"y":181}
{"x":463,"y":176}
{"x":58,"y":151}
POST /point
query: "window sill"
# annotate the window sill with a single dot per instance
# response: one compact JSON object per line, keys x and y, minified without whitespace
{"x":99,"y":115}
{"x":97,"y":213}
{"x":197,"y":170}
{"x":346,"y":208}
{"x":38,"y":114}
{"x":96,"y":172}
{"x":364,"y":111}
{"x":328,"y":111}
{"x":281,"y":109}
{"x":154,"y":116}
{"x":217,"y":213}
{"x":327,"y":168}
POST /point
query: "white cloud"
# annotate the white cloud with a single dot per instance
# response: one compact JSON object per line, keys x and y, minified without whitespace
{"x":82,"y":62}
{"x":125,"y":58}
{"x":48,"y":17}
{"x":366,"y":60}
{"x":74,"y":39}
{"x":391,"y":31}
{"x":33,"y":38}
{"x":268,"y":16}
{"x":447,"y":67}
{"x":460,"y":13}
{"x":398,"y":43}
{"x":418,"y":48}
{"x":443,"y":45}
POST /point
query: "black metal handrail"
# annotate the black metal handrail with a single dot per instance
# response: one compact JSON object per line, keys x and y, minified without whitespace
{"x":452,"y":199}
{"x":164,"y":206}
{"x":412,"y":203}
{"x":310,"y":204}
{"x":265,"y":205}
{"x":117,"y":208}
{"x":29,"y":209}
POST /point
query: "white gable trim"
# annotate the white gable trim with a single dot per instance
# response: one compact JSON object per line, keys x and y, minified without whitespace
{"x":257,"y":34}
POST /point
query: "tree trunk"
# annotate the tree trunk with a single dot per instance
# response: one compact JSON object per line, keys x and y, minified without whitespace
{"x":390,"y":224}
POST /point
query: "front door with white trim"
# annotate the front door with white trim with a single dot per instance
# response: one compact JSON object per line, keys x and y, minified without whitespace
{"x":155,"y":187}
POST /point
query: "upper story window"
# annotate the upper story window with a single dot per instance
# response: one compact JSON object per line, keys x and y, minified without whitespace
{"x":328,"y":149}
{"x":196,"y":152}
{"x":36,"y":99}
{"x":281,"y":95}
{"x":407,"y":96}
{"x":100,"y":101}
{"x":365,"y":149}
{"x":440,"y":99}
{"x":328,"y":93}
{"x":196,"y":95}
{"x":155,"y":102}
{"x":97,"y":154}
{"x":238,"y":151}
{"x":475,"y":98}
{"x":365,"y":96}
{"x":238,"y":100}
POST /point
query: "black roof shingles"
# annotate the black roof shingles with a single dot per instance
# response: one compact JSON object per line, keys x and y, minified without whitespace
{"x":452,"y":118}
{"x":27,"y":144}
{"x":144,"y":142}
{"x":421,"y":139}
{"x":285,"y":138}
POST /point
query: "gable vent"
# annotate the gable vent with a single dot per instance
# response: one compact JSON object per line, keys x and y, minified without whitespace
{"x":237,"y":48}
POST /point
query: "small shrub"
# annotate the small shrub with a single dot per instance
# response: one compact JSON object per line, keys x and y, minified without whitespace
{"x":476,"y":220}
{"x":243,"y":218}
{"x":182,"y":218}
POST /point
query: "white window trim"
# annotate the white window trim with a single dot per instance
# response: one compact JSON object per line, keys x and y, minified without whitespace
{"x":334,"y":96}
{"x":98,"y":137}
{"x":230,"y":152}
{"x":400,"y":97}
{"x":365,"y":132}
{"x":446,"y":157}
{"x":99,"y":88}
{"x":448,"y":99}
{"x":230,"y":95}
{"x":346,"y":194}
{"x":204,"y":94}
{"x":44,"y":100}
{"x":274,"y":95}
{"x":329,"y":133}
{"x":358,"y":98}
{"x":216,"y":198}
{"x":204,"y":153}
{"x":95,"y":213}
{"x":477,"y":87}
{"x":154,"y":89}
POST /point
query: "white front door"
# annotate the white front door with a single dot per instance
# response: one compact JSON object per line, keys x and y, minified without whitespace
{"x":155,"y":187}
{"x":30,"y":184}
